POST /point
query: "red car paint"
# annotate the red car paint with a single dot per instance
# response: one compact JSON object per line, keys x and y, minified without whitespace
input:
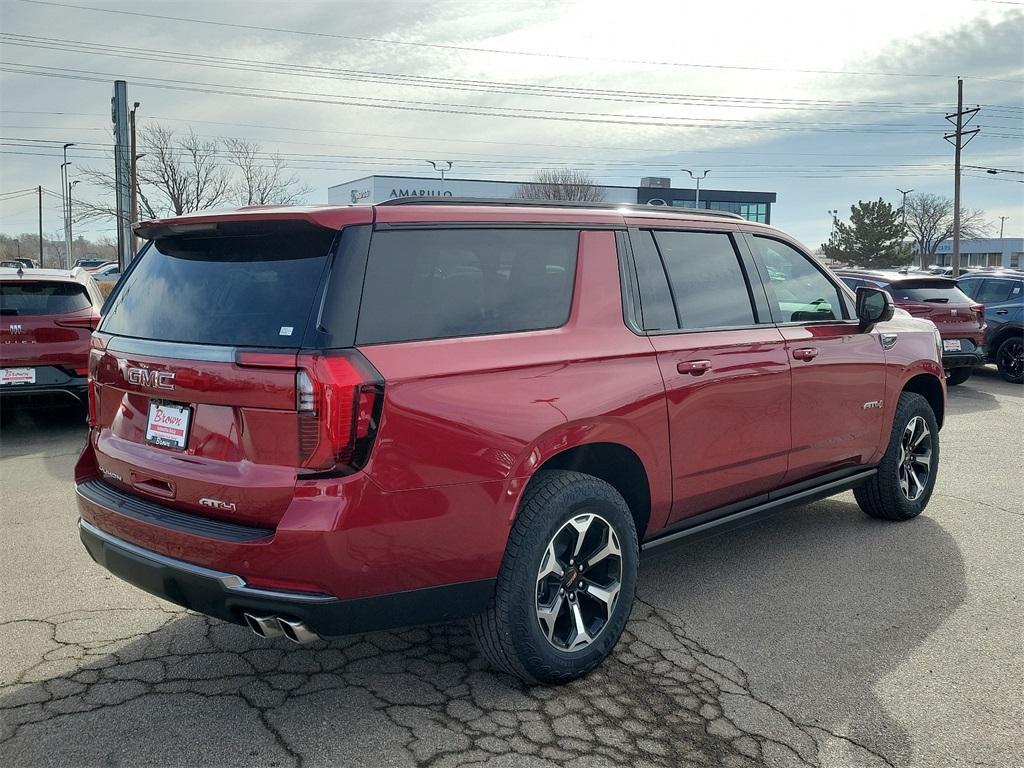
{"x":53,"y":341}
{"x":466,"y":422}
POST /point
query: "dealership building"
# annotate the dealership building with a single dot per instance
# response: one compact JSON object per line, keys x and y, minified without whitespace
{"x":755,"y":206}
{"x":983,"y":252}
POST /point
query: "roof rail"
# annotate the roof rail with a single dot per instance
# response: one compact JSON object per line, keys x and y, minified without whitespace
{"x":513,"y":202}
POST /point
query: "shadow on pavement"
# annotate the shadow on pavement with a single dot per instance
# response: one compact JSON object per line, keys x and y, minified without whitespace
{"x":830,"y":598}
{"x":819,"y":604}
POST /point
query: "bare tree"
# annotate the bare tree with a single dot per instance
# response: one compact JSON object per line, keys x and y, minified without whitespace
{"x":181,"y":174}
{"x":561,"y":184}
{"x":930,"y":222}
{"x":263,"y":179}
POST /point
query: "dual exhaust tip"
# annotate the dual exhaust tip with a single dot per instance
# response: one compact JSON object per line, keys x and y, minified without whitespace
{"x":274,"y":626}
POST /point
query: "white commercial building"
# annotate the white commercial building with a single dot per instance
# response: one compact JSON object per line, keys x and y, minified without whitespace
{"x":376,"y":189}
{"x":983,"y":252}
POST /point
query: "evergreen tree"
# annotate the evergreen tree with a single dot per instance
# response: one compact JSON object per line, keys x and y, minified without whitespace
{"x":873,"y":238}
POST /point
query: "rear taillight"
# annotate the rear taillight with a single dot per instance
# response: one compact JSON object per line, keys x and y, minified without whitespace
{"x":80,"y":322}
{"x":979,"y":310}
{"x":94,"y":406}
{"x":339,"y":398}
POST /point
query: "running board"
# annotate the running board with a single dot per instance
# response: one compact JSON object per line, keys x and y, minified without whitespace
{"x":725,"y":519}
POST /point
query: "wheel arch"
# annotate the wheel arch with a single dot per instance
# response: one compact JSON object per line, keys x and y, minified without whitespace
{"x":1001,"y":335}
{"x":614,"y":463}
{"x":930,"y":388}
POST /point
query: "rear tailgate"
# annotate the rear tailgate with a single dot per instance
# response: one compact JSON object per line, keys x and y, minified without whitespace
{"x":194,"y":375}
{"x":942,"y":302}
{"x":45,"y":323}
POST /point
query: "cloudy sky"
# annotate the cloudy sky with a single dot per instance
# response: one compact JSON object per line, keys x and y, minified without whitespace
{"x":823,"y":103}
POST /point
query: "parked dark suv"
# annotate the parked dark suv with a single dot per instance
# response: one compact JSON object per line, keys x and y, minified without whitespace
{"x":320,"y":421}
{"x":1002,"y":293}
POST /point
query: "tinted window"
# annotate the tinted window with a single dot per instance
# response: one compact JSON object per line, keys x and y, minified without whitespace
{"x":245,"y":290}
{"x":658,"y":312}
{"x":936,"y":293}
{"x":852,"y":282}
{"x":42,"y":298}
{"x":970,"y":287}
{"x":997,"y":291}
{"x":431,"y":284}
{"x":802,"y":293}
{"x":708,"y":285}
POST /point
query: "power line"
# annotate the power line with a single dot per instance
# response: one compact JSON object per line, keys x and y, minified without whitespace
{"x":601,"y":118}
{"x":474,"y":86}
{"x":494,"y":51}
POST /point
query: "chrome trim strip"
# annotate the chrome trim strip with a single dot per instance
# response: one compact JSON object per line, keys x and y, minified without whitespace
{"x":229,"y":580}
{"x":171,"y":349}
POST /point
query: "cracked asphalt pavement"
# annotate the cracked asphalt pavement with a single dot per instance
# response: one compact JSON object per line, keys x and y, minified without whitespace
{"x":816,"y":638}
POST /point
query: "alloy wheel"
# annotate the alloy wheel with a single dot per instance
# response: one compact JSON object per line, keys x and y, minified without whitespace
{"x":578,"y":582}
{"x":1011,"y":358}
{"x":915,"y":465}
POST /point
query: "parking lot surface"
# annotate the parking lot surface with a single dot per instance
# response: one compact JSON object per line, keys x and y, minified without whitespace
{"x":817,"y":638}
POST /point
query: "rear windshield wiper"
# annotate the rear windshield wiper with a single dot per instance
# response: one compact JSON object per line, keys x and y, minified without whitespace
{"x":937,"y":301}
{"x":8,"y":311}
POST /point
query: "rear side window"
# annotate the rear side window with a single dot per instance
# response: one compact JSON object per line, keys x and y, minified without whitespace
{"x":998,"y":291}
{"x":42,"y":298}
{"x":936,"y":293}
{"x":245,"y":290}
{"x":433,"y":284}
{"x":708,"y":284}
{"x":658,"y":313}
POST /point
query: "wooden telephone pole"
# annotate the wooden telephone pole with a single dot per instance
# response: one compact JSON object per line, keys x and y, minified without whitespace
{"x":956,"y":138}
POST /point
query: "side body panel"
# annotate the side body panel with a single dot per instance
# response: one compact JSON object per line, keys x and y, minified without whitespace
{"x":494,"y":408}
{"x":730,"y":425}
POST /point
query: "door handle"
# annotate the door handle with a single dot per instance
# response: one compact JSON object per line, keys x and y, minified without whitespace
{"x":694,"y":367}
{"x":805,"y":353}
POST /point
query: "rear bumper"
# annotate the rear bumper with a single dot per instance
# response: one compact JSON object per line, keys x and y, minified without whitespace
{"x":226,"y":596}
{"x":971,"y":353}
{"x":50,"y":380}
{"x":962,"y":359}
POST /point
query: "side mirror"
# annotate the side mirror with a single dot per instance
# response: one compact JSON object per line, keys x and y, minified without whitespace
{"x":873,"y":306}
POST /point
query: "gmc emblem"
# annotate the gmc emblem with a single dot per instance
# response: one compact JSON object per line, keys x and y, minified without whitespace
{"x":144,"y":377}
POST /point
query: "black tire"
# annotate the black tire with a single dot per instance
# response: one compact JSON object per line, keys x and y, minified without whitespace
{"x":882,"y":496}
{"x":959,"y":375}
{"x":509,"y":632}
{"x":1010,"y":359}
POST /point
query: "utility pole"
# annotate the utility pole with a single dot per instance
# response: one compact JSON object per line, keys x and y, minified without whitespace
{"x":1002,"y":220}
{"x":64,"y":201}
{"x":122,"y":172}
{"x":135,"y":178}
{"x":696,"y":200}
{"x":39,"y":189}
{"x":957,"y":140}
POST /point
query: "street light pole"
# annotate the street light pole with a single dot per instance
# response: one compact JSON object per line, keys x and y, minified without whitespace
{"x":441,"y":166}
{"x":696,"y":200}
{"x":903,"y":210}
{"x":71,"y":234}
{"x":64,"y":199}
{"x":134,"y":206}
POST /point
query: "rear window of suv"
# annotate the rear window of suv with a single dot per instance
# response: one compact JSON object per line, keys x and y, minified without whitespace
{"x":432,"y":284}
{"x":42,"y":298}
{"x":936,"y":293}
{"x":239,"y":290}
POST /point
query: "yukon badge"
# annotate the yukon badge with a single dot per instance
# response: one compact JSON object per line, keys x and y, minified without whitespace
{"x":144,"y":377}
{"x":223,"y":506}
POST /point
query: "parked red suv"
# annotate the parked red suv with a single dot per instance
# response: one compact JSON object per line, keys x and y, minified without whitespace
{"x":46,"y":318}
{"x":960,"y":319}
{"x":320,"y":421}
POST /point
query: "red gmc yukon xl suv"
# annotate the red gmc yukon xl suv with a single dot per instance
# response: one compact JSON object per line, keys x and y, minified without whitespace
{"x":322,"y":421}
